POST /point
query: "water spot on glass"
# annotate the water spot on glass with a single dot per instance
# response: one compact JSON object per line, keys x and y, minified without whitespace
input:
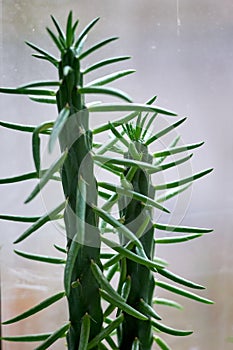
{"x":178,"y":20}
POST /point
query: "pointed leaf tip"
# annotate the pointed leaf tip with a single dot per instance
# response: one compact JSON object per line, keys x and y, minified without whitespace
{"x":37,"y":308}
{"x":55,"y":167}
{"x":58,"y":126}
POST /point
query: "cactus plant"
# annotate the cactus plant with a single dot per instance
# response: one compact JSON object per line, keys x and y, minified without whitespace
{"x":89,"y":225}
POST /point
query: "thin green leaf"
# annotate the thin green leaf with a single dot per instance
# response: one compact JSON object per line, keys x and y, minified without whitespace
{"x":19,"y":178}
{"x":75,"y":26}
{"x":126,"y":287}
{"x":132,"y":194}
{"x":142,"y":228}
{"x":80,"y":46}
{"x":151,"y":100}
{"x":18,"y":127}
{"x":103,"y":282}
{"x":46,"y":55}
{"x":52,"y":215}
{"x":126,"y":162}
{"x":123,"y":275}
{"x":134,"y":107}
{"x":47,"y":176}
{"x":105,"y":63}
{"x":120,"y":121}
{"x":96,"y":47}
{"x":138,"y":129}
{"x":105,"y":332}
{"x":173,"y":144}
{"x":118,"y":135}
{"x":21,"y":91}
{"x":36,"y":143}
{"x":114,"y":148}
{"x":152,"y":169}
{"x":159,"y":261}
{"x":167,"y":302}
{"x":107,"y":206}
{"x":106,"y":91}
{"x":182,"y":292}
{"x":173,"y":277}
{"x":85,"y":332}
{"x":27,"y":338}
{"x":106,"y":255}
{"x":184,"y":229}
{"x":42,"y":52}
{"x":85,"y":31}
{"x":141,"y":126}
{"x":54,"y":337}
{"x":117,"y":257}
{"x":41,"y":258}
{"x":39,"y":84}
{"x":110,"y":77}
{"x":35,"y":309}
{"x":109,"y":167}
{"x":115,"y":123}
{"x":70,"y":262}
{"x":51,"y":101}
{"x":69,"y":31}
{"x":59,"y":44}
{"x":161,"y":343}
{"x":176,"y":239}
{"x":176,"y":150}
{"x":112,"y":271}
{"x":170,"y":194}
{"x":164,"y":131}
{"x":108,"y":312}
{"x":59,"y":30}
{"x":165,"y":329}
{"x":170,"y":165}
{"x":130,"y":255}
{"x":123,"y":306}
{"x":111,"y":342}
{"x":107,"y":146}
{"x":45,"y":58}
{"x":148,"y":310}
{"x":151,"y":120}
{"x":116,"y":224}
{"x":182,"y":181}
{"x":130,"y":131}
{"x":19,"y":218}
{"x":60,"y":249}
{"x":58,"y":125}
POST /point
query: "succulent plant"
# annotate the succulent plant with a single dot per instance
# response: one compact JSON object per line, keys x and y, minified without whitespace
{"x":129,"y":310}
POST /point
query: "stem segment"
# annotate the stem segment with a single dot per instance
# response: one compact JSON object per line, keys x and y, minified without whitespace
{"x":134,"y":213}
{"x":78,"y":168}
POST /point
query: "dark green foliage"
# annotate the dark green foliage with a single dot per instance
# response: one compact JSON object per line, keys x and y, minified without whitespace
{"x":133,"y":214}
{"x":132,"y":262}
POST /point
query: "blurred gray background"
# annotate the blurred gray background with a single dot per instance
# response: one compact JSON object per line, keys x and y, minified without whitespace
{"x":183,"y":52}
